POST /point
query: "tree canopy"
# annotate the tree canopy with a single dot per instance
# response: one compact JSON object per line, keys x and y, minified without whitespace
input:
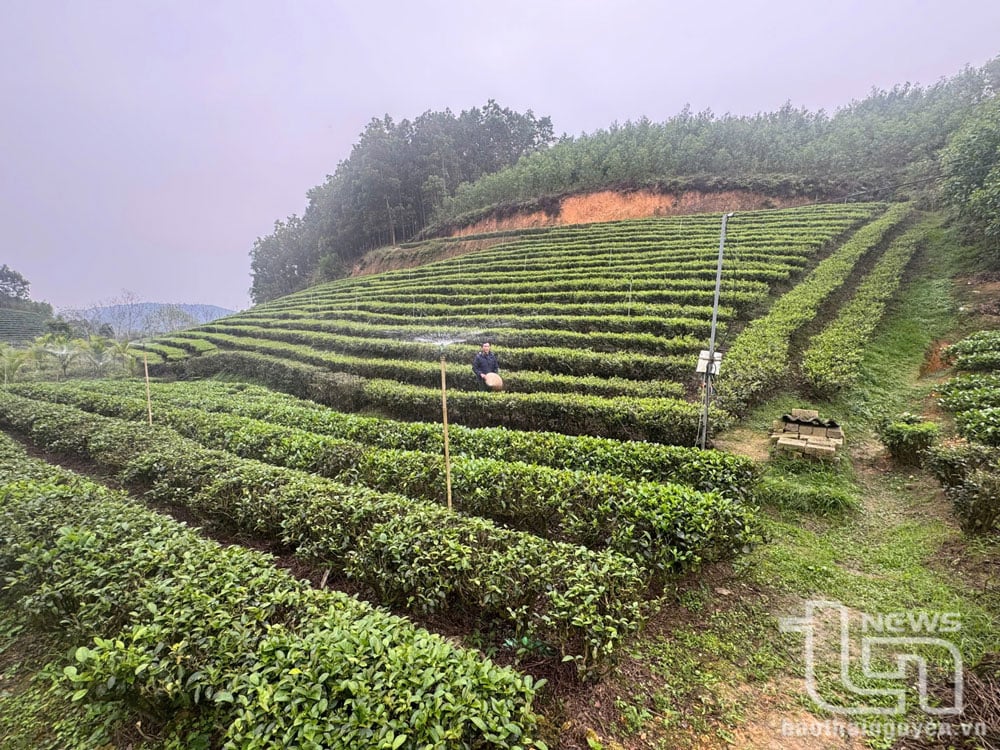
{"x":397,"y":176}
{"x":971,"y":164}
{"x":15,"y":294}
{"x":13,"y":286}
{"x":875,"y":144}
{"x":440,"y":170}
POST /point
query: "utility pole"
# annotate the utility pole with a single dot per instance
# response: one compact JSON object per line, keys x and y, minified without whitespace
{"x":708,"y":361}
{"x":444,"y":422}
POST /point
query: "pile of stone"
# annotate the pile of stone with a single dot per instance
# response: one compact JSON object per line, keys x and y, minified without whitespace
{"x":803,"y":433}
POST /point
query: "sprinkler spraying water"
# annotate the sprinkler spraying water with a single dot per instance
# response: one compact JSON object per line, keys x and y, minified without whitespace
{"x":443,"y":342}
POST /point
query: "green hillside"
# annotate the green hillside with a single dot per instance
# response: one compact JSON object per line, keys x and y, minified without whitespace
{"x":311,"y":527}
{"x":598,"y":326}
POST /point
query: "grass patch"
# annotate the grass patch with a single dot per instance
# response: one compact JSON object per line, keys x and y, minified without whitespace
{"x":696,"y":688}
{"x":804,"y":485}
{"x":923,"y":312}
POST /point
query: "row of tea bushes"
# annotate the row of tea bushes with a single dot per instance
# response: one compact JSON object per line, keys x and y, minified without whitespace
{"x":751,"y":276}
{"x":975,"y":396}
{"x":709,"y":470}
{"x":970,"y":475}
{"x":222,"y":648}
{"x":979,"y":351}
{"x":665,"y":528}
{"x":970,"y":471}
{"x":661,"y":420}
{"x":523,"y":382}
{"x":742,"y":294}
{"x":420,"y":365}
{"x":645,"y":343}
{"x":522,"y":349}
{"x":758,"y":360}
{"x":973,"y":390}
{"x":412,"y":554}
{"x":685,"y":322}
{"x":832,"y":360}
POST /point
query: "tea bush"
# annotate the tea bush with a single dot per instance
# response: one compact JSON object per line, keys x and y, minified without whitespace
{"x":176,"y":623}
{"x":333,"y":524}
{"x":908,"y":438}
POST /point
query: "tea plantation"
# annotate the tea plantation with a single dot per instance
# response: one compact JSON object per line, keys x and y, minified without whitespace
{"x":571,"y":503}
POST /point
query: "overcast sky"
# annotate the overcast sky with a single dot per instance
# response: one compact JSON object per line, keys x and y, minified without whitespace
{"x":145,"y":145}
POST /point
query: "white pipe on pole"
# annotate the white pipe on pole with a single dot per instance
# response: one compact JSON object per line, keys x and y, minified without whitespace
{"x":703,"y":427}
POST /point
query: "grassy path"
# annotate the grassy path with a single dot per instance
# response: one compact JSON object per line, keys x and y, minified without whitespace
{"x":714,"y":668}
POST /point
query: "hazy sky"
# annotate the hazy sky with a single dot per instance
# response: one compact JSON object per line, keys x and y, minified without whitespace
{"x":145,"y":145}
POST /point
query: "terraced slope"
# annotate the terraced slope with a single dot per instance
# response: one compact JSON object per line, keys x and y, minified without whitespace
{"x":20,"y":327}
{"x":597,"y":327}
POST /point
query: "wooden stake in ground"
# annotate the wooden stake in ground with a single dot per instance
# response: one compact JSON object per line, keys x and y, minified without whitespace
{"x":444,"y":421}
{"x":149,"y":401}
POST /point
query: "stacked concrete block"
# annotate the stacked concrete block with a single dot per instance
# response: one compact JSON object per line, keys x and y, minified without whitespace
{"x":803,"y":433}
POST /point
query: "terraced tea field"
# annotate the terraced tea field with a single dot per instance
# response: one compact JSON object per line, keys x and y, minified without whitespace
{"x":558,"y":542}
{"x":597,"y":327}
{"x":571,"y":503}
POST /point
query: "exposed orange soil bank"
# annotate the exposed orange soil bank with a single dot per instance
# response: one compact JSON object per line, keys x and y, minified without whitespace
{"x":608,"y":205}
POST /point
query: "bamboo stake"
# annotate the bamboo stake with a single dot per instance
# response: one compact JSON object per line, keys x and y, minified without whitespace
{"x":149,"y":401}
{"x":444,"y":421}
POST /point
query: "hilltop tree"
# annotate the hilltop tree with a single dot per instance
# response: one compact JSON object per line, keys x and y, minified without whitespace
{"x":13,"y":286}
{"x":397,"y":176}
{"x":889,"y":138}
{"x":283,"y":261}
{"x":971,"y":164}
{"x":14,"y":294}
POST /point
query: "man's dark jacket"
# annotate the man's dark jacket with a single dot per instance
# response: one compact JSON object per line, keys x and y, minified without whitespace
{"x":484,"y":363}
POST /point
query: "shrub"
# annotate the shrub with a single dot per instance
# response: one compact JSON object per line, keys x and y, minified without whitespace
{"x":977,"y":501}
{"x":177,"y":625}
{"x":980,"y":424}
{"x":970,"y":474}
{"x":908,"y":438}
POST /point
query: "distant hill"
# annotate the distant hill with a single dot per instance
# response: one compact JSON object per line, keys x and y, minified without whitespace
{"x":147,"y":318}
